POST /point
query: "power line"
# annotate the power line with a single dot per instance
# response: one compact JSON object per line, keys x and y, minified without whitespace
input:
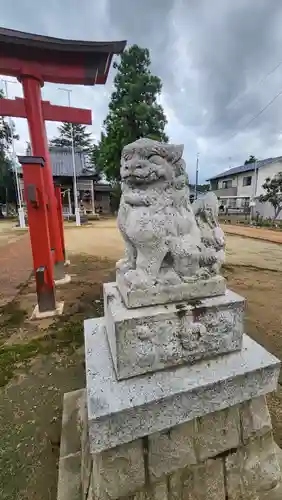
{"x":239,"y":96}
{"x":258,"y":114}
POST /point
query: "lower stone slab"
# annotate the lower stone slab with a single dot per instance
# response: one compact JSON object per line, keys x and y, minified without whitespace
{"x":69,"y":477}
{"x":121,"y":411}
{"x":165,"y":294}
{"x":204,"y":459}
{"x":147,"y":339}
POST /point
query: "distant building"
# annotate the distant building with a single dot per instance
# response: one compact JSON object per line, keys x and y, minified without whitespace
{"x":238,"y":188}
{"x":92,"y":194}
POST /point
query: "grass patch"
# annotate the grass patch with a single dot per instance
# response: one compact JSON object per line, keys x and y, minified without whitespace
{"x":12,"y":314}
{"x":67,"y":336}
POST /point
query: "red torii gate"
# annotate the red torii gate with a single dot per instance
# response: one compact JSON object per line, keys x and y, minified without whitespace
{"x":35,"y":59}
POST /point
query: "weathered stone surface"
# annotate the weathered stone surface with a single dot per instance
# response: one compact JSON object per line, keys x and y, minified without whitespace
{"x":252,"y":469}
{"x":157,"y":491}
{"x":193,"y":288}
{"x":69,"y":478}
{"x":86,"y":458}
{"x":204,"y":482}
{"x":70,"y":439}
{"x":69,"y":483}
{"x":118,"y":472}
{"x":217,"y":432}
{"x":164,"y":246}
{"x":121,"y":411}
{"x":152,"y":338}
{"x":171,"y":450}
{"x":255,"y":418}
{"x":276,"y":492}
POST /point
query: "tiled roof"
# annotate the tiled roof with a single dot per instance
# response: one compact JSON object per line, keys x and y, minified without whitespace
{"x":61,"y":159}
{"x":245,"y":168}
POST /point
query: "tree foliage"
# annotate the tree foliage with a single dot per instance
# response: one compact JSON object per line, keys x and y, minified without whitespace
{"x":134,"y":111}
{"x":7,"y":184}
{"x":81,"y":138}
{"x":251,"y":159}
{"x":273,"y":193}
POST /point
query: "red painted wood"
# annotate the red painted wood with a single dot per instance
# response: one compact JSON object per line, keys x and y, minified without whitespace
{"x":33,"y":174}
{"x":51,"y":112}
{"x":55,"y":113}
{"x":39,"y":145}
{"x":12,"y":107}
{"x":75,"y":73}
{"x":60,"y":217}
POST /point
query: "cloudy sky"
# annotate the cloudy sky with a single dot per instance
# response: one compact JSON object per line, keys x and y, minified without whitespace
{"x":220,"y":62}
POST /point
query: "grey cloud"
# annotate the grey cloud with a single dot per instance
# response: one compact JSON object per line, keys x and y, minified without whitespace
{"x":212,"y":56}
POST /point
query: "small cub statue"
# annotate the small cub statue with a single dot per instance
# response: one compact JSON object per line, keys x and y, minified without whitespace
{"x":167,"y":241}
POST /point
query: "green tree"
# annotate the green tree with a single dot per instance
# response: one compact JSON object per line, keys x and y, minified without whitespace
{"x":7,"y":184}
{"x":134,"y":111}
{"x":81,"y":138}
{"x":273,"y":193}
{"x":251,"y":159}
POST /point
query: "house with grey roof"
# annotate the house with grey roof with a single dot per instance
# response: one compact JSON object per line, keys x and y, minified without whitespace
{"x":93,"y":193}
{"x":240,"y":187}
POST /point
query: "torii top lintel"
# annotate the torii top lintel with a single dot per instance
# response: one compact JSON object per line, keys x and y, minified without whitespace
{"x":56,"y":60}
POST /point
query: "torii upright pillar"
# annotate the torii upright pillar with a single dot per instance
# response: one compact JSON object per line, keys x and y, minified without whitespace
{"x":35,"y":59}
{"x":39,"y":145}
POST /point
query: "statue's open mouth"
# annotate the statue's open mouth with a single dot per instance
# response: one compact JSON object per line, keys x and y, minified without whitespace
{"x":142,"y":179}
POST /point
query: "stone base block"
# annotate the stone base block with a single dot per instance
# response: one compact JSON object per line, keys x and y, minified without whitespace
{"x":165,"y":294}
{"x":205,"y":459}
{"x":152,"y":338}
{"x":120,"y":411}
{"x":69,"y":480}
{"x":63,"y":281}
{"x":36,"y":314}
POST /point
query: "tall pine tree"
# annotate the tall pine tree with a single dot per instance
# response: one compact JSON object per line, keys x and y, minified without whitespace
{"x":133,"y":110}
{"x":81,"y":138}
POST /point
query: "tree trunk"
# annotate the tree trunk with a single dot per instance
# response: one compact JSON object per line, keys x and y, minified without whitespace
{"x":7,"y":203}
{"x":277,"y":212}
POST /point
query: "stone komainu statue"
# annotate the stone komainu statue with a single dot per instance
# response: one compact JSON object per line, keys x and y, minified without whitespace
{"x":163,"y":242}
{"x":212,"y":236}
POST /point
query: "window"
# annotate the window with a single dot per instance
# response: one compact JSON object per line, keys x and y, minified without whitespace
{"x":231,"y":203}
{"x":227,"y":184}
{"x":247,"y":181}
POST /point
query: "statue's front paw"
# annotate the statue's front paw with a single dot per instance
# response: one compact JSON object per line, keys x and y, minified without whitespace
{"x":123,"y":266}
{"x":138,"y":279}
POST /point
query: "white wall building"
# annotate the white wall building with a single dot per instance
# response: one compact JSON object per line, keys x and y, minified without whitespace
{"x":237,"y":187}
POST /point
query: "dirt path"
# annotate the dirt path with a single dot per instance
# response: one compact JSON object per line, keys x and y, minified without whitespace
{"x":15,"y":265}
{"x":254,"y":232}
{"x":103,"y":240}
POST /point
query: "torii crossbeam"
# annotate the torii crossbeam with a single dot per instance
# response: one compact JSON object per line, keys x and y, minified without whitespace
{"x":35,"y":59}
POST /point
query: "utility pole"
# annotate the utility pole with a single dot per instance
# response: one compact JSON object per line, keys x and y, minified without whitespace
{"x":197,"y":175}
{"x":15,"y":163}
{"x":253,"y":200}
{"x":77,"y":212}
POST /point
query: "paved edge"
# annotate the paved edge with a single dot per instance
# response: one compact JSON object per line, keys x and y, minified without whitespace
{"x":228,"y":230}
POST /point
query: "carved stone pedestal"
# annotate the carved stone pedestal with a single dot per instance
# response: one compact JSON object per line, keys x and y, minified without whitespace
{"x":146,"y":339}
{"x":174,"y":407}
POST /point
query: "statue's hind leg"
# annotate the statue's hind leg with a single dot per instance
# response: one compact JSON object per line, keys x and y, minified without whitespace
{"x":185,"y":257}
{"x":148,"y":264}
